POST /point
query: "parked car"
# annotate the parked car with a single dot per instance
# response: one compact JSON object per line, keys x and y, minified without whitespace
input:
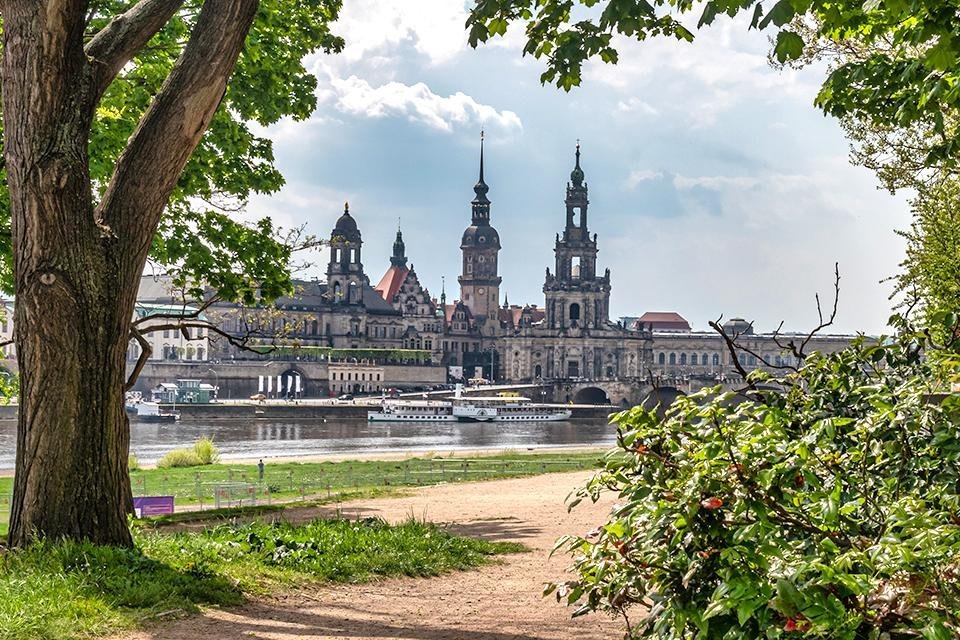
{"x":259,"y":397}
{"x":392,"y":393}
{"x":345,"y":396}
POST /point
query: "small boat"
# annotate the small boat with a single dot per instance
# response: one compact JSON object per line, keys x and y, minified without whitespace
{"x":151,"y":412}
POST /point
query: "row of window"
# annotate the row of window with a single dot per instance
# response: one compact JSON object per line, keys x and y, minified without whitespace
{"x":351,"y":375}
{"x":703,"y":359}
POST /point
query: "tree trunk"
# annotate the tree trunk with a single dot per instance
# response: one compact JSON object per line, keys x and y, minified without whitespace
{"x":73,"y":434}
{"x":71,"y":315}
{"x":77,"y":267}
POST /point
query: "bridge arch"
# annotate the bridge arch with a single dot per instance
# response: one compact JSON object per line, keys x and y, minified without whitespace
{"x":591,"y":395}
{"x":660,"y":398}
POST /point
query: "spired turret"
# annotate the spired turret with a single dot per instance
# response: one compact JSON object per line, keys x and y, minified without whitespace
{"x":575,"y":295}
{"x":480,"y":245}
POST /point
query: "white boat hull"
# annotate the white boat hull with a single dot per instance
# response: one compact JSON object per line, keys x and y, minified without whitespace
{"x":380,"y":416}
{"x":546,"y":417}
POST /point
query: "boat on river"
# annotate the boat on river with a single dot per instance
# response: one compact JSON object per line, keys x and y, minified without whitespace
{"x":467,"y":409}
{"x":151,"y":412}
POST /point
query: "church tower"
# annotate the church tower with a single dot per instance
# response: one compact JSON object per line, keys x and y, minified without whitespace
{"x":479,"y":282}
{"x":345,"y":278}
{"x":575,"y":296}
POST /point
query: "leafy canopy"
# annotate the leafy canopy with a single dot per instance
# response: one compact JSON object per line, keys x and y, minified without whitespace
{"x":914,"y":79}
{"x":826,"y":510}
{"x":201,"y":239}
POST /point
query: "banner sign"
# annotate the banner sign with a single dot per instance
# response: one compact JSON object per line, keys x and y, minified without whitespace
{"x":145,"y":506}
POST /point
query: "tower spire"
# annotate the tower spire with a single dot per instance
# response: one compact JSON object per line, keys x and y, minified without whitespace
{"x":481,"y":204}
{"x":576,"y":176}
{"x":399,"y":258}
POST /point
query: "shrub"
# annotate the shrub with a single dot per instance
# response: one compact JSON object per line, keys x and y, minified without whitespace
{"x":133,"y":464}
{"x":828,"y":509}
{"x":206,"y":451}
{"x":179,"y":458}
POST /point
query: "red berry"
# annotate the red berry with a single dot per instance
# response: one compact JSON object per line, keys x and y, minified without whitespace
{"x":712,"y":503}
{"x":791,"y":625}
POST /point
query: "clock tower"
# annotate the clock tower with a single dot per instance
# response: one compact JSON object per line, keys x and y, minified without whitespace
{"x":479,"y":282}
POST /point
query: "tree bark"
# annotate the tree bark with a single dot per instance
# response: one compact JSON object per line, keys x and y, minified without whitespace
{"x":77,"y":266}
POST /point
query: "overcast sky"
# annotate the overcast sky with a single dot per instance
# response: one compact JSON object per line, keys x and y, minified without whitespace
{"x":715,"y":186}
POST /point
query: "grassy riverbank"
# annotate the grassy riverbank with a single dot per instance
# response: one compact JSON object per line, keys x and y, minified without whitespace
{"x":233,"y":485}
{"x":67,"y":590}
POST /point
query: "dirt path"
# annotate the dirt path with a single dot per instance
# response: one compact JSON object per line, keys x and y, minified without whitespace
{"x":496,"y":602}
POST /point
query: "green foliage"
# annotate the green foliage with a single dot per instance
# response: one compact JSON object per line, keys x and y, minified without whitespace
{"x":915,"y":77}
{"x":67,"y":590}
{"x":405,"y":356}
{"x":931,"y":270}
{"x":206,"y":451}
{"x":203,"y":452}
{"x":179,"y":458}
{"x":826,"y":510}
{"x":201,"y":241}
{"x":133,"y":464}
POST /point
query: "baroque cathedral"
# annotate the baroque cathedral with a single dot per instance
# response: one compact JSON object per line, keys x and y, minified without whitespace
{"x":570,"y":336}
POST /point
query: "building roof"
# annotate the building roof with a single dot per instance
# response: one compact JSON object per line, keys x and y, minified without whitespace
{"x":391,"y":281}
{"x":346,"y":227}
{"x":665,"y":321}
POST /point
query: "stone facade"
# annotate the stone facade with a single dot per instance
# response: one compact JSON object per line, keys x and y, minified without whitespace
{"x":574,"y":338}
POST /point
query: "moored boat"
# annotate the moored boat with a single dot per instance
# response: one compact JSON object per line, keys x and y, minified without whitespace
{"x":412,"y":411}
{"x":151,"y":412}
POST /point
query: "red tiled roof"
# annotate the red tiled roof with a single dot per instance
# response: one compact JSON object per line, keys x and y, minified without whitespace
{"x":512,"y":314}
{"x":391,"y":281}
{"x":665,"y":320}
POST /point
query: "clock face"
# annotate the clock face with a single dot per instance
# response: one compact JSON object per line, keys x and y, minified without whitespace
{"x":480,"y":291}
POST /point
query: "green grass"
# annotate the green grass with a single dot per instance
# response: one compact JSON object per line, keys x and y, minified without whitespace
{"x":74,"y":590}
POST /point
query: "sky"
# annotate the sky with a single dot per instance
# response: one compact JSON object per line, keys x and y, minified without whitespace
{"x":716,"y":187}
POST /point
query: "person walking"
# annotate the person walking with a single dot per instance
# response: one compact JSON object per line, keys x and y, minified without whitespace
{"x":260,"y":470}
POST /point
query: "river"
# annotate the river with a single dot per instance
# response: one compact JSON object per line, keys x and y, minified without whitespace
{"x":289,"y":438}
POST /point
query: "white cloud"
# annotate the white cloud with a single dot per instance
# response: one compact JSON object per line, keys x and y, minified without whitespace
{"x":636,"y":105}
{"x":417,"y":102}
{"x":642,"y":175}
{"x":434,"y":27}
{"x":715,"y":183}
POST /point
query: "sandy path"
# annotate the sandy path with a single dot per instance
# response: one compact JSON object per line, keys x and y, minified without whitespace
{"x":496,"y":602}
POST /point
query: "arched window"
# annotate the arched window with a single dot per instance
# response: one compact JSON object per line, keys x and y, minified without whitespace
{"x":683,"y":358}
{"x":538,"y":371}
{"x":716,"y":359}
{"x":693,"y":358}
{"x":662,"y":358}
{"x":673,"y":358}
{"x":574,"y":311}
{"x":200,"y":353}
{"x":703,"y":359}
{"x":337,"y":292}
{"x":314,"y":327}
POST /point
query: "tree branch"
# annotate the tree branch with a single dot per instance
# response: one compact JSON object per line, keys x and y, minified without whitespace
{"x":170,"y":130}
{"x":124,"y":36}
{"x":145,"y":352}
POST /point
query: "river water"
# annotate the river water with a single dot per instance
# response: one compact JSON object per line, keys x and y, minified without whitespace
{"x":275,"y":439}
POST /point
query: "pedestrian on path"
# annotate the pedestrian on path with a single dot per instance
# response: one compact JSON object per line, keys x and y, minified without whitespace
{"x":260,"y":470}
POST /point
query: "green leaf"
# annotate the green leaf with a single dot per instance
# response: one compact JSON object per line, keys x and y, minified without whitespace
{"x":789,"y":46}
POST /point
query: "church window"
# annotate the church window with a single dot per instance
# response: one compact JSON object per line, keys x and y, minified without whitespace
{"x":716,"y":359}
{"x":336,"y":255}
{"x":683,"y":358}
{"x":483,"y":239}
{"x":673,"y":358}
{"x":538,"y":371}
{"x":574,"y":311}
{"x":703,"y":359}
{"x":469,"y":267}
{"x":481,"y":259}
{"x":661,"y":359}
{"x":575,"y":267}
{"x":693,"y":358}
{"x":353,"y":255}
{"x":337,"y":292}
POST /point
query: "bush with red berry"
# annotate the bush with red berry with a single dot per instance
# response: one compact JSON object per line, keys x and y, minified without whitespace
{"x":826,"y":505}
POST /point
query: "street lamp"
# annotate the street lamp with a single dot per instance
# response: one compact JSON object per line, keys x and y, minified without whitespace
{"x":216,"y":381}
